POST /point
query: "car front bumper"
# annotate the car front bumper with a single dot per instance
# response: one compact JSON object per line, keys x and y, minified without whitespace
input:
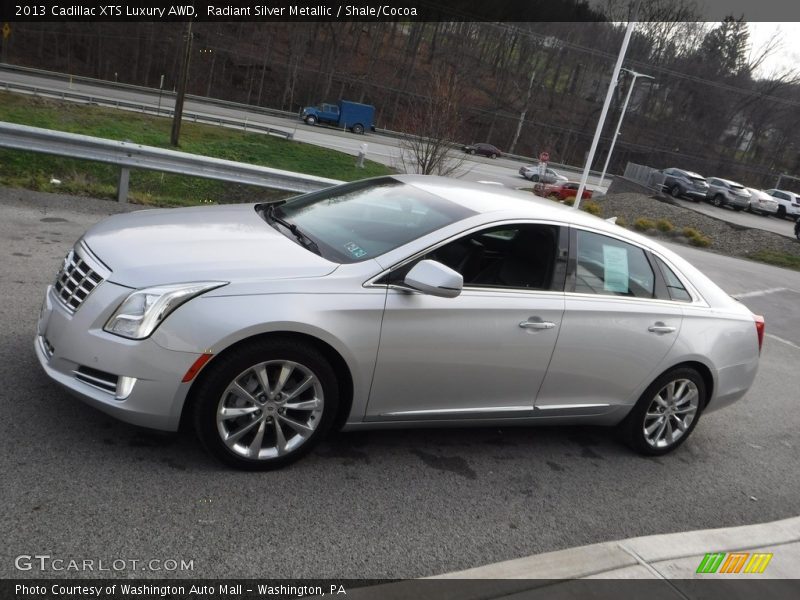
{"x":136,"y":381}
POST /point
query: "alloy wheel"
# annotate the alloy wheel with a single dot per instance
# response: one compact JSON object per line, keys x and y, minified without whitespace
{"x":671,"y":413}
{"x":270,"y":410}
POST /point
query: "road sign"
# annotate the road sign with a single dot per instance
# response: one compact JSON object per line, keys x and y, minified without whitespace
{"x":544,"y":156}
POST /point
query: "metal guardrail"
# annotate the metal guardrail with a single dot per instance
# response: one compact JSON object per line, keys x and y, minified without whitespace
{"x":155,"y":93}
{"x":128,"y":155}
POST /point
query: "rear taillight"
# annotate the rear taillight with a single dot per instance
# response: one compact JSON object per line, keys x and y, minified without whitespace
{"x":759,"y":330}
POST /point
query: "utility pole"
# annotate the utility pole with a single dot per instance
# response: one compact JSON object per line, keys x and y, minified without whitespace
{"x":182,"y":79}
{"x":621,"y":116}
{"x":609,"y":94}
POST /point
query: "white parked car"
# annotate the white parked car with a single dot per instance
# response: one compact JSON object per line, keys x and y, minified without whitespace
{"x":789,"y":204}
{"x":762,"y":203}
{"x":404,"y":301}
{"x":531,"y":173}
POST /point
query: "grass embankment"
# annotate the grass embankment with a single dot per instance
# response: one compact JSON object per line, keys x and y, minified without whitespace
{"x":85,"y":178}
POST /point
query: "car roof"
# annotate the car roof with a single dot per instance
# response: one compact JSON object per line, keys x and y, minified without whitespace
{"x":728,"y":181}
{"x":482,"y":198}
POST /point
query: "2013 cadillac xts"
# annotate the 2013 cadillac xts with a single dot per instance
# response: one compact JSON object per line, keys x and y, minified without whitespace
{"x":400,"y":301}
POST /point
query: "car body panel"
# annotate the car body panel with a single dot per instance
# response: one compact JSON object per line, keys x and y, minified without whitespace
{"x":477,"y":324}
{"x":762,"y":202}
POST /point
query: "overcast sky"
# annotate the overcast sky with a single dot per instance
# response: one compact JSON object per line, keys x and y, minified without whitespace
{"x":787,"y":55}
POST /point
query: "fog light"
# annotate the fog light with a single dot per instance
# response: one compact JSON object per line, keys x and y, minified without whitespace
{"x":124,"y":387}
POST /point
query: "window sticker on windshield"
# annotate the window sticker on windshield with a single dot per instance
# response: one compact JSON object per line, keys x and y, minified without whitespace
{"x":615,"y":263}
{"x":354,"y":249}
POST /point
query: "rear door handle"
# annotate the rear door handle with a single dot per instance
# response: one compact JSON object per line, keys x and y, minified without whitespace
{"x":659,"y":327}
{"x":537,"y":324}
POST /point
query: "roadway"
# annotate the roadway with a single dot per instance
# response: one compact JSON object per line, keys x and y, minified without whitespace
{"x":78,"y":484}
{"x":381,"y":148}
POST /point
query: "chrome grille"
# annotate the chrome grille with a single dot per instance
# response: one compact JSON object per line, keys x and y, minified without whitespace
{"x":75,"y":281}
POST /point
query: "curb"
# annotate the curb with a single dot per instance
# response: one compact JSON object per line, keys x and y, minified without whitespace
{"x":639,"y":553}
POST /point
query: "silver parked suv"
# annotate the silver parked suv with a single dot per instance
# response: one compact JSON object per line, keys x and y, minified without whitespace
{"x":722,"y":192}
{"x":684,"y":183}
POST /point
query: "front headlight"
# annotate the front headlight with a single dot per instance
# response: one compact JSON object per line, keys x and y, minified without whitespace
{"x":143,"y":310}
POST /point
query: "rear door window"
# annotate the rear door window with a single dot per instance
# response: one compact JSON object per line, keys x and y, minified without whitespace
{"x":610,"y":267}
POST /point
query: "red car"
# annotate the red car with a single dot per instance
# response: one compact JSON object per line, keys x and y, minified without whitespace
{"x":561,"y":191}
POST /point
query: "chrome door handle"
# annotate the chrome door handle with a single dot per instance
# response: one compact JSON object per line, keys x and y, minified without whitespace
{"x":661,"y":328}
{"x":537,"y":325}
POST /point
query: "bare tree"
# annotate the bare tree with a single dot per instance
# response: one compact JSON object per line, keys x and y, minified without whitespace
{"x":431,"y":122}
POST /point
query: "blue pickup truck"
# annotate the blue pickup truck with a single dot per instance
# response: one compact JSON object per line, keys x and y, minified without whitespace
{"x":347,"y":115}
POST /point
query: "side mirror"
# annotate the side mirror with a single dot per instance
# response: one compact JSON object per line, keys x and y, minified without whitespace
{"x":431,"y":277}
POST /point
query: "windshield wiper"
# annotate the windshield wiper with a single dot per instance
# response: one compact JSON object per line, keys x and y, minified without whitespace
{"x":301,"y":237}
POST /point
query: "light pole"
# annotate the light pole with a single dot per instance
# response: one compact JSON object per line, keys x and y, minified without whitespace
{"x":609,"y":94}
{"x":621,"y":116}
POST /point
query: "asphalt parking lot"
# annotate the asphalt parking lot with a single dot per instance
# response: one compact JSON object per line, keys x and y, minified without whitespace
{"x":79,"y":485}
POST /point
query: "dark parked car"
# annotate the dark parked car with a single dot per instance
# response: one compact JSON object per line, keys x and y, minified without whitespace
{"x":678,"y":182}
{"x":483,"y":150}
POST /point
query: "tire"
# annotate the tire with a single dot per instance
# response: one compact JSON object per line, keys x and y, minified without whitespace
{"x":781,"y":214}
{"x":675,"y":191}
{"x":311,"y":120}
{"x":358,"y":128}
{"x":535,"y":177}
{"x":493,"y":155}
{"x":691,"y":399}
{"x":797,"y":231}
{"x":472,"y":151}
{"x":267,"y":433}
{"x":718,"y":201}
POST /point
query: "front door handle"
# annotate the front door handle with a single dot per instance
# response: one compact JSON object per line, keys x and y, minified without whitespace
{"x":660,"y":327}
{"x":529,"y":324}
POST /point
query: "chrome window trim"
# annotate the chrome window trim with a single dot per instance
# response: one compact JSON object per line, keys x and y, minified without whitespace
{"x":371,"y":281}
{"x":697,"y":298}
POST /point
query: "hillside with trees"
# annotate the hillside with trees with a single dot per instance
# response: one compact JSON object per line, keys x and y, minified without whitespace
{"x":524,"y":87}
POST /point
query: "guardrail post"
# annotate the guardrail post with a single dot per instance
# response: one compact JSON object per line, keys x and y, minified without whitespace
{"x":122,"y":185}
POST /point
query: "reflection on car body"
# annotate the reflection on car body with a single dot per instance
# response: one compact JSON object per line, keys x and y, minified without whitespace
{"x":402,"y":301}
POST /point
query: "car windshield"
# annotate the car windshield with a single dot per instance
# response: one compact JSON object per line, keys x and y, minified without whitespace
{"x":355,"y":222}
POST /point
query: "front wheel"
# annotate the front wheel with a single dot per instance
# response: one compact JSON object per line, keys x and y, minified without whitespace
{"x":667,"y":412}
{"x":265,"y":404}
{"x":781,"y":214}
{"x":358,"y":128}
{"x":311,"y":120}
{"x":717,"y":200}
{"x":675,"y":192}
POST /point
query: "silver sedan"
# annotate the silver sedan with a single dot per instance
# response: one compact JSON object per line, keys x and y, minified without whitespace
{"x":404,"y":301}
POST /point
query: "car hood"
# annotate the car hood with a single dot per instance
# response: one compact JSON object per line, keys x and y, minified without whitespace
{"x":220,"y":243}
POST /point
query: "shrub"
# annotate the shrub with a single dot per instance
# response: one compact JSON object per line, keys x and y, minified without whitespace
{"x":621,"y":222}
{"x":643,"y":224}
{"x":664,"y":225}
{"x":593,"y":208}
{"x":700,"y":240}
{"x":691,"y":232}
{"x":569,"y":200}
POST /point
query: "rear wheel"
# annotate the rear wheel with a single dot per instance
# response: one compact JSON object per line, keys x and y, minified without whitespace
{"x":781,"y":214}
{"x":718,"y":200}
{"x":667,"y":412}
{"x":265,"y":404}
{"x":493,"y":155}
{"x":535,"y":177}
{"x":675,"y":191}
{"x":358,"y":128}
